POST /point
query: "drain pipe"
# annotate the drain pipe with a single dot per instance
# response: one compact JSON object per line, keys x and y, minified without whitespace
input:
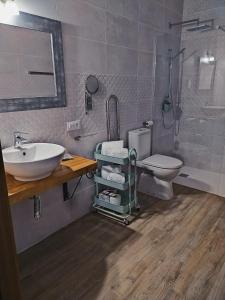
{"x":37,"y":207}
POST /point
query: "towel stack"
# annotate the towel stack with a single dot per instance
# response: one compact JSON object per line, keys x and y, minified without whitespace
{"x":115,"y":149}
{"x":113,"y":173}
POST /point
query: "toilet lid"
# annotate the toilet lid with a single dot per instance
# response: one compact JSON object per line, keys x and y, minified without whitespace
{"x":163,"y":162}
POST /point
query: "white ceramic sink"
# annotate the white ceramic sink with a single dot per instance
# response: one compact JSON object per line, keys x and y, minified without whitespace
{"x":32,"y":161}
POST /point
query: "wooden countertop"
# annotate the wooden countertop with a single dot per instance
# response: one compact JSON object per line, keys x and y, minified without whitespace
{"x":19,"y":191}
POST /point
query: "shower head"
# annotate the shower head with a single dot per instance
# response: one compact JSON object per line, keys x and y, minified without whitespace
{"x":205,"y":25}
{"x":201,"y":27}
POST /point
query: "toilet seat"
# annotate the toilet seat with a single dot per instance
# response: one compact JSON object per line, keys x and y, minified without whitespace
{"x":162,"y":162}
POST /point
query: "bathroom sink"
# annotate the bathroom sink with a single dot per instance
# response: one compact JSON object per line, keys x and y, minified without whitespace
{"x":32,"y":161}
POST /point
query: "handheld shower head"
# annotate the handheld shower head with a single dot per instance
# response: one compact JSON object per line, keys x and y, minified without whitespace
{"x":202,"y":26}
{"x":199,"y":28}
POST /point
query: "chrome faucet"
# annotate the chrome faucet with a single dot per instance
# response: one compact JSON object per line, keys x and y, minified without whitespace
{"x":19,"y":140}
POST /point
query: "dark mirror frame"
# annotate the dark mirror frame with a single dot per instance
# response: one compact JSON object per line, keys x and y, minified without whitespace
{"x":53,"y":27}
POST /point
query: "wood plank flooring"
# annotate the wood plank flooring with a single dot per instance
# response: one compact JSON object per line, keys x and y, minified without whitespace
{"x":175,"y":250}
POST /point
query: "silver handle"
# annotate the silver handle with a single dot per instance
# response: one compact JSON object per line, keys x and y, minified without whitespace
{"x":108,"y":119}
{"x":18,"y":139}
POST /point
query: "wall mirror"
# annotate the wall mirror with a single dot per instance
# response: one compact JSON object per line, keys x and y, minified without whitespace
{"x":31,"y":64}
{"x":92,"y":86}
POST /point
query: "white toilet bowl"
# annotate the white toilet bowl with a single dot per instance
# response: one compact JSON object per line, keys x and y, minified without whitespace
{"x":156,"y":174}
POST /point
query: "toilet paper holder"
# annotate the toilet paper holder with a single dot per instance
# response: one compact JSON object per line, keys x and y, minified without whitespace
{"x":148,"y":124}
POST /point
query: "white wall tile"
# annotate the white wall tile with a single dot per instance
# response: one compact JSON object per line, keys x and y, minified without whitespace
{"x":121,"y":31}
{"x":121,"y":61}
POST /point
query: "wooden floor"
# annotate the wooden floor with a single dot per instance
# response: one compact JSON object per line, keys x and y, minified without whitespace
{"x":175,"y":250}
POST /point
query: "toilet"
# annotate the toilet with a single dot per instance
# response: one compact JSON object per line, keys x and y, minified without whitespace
{"x":155,"y":172}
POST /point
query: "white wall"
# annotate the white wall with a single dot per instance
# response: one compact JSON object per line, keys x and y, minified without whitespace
{"x":113,"y":39}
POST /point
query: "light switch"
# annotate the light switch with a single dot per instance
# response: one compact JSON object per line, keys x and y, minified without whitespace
{"x":73,"y":125}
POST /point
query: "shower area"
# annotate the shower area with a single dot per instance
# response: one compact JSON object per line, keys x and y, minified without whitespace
{"x":198,"y":118}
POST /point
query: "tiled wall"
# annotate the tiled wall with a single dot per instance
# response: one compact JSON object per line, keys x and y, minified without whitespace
{"x":201,"y":139}
{"x":114,"y":39}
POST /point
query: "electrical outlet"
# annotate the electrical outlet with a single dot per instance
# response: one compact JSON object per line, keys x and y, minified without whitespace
{"x":73,"y":125}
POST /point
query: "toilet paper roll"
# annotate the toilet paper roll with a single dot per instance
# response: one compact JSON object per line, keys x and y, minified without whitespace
{"x":148,"y":123}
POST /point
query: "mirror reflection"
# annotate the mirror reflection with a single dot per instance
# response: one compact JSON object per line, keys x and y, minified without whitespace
{"x":26,"y":63}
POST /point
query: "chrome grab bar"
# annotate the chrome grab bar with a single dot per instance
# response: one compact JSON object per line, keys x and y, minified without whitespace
{"x":116,"y":100}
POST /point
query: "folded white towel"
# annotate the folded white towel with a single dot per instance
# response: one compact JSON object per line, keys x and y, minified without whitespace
{"x":110,"y":168}
{"x":110,"y":148}
{"x":105,"y":174}
{"x":122,"y":154}
{"x":117,"y":176}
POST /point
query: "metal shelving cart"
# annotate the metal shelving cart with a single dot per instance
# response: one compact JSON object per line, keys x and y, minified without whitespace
{"x":129,"y":203}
